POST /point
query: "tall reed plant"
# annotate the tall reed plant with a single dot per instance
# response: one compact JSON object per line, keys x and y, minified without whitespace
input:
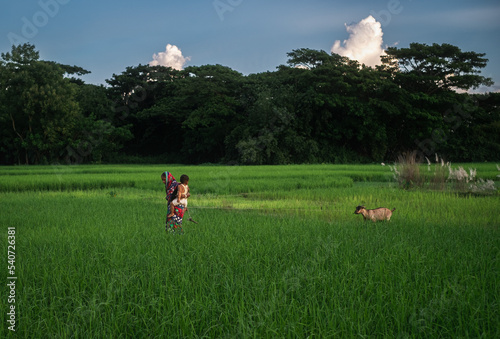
{"x":406,"y":171}
{"x":439,"y":175}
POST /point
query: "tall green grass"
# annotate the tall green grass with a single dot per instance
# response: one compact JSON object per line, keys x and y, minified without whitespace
{"x":278,"y":261}
{"x":208,"y":179}
{"x":205,"y":179}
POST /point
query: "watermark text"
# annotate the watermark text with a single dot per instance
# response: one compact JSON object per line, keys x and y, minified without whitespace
{"x":11,"y":278}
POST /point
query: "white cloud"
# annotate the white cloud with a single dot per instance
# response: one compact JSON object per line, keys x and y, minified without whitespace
{"x":364,"y":43}
{"x":172,"y":57}
{"x":483,"y":89}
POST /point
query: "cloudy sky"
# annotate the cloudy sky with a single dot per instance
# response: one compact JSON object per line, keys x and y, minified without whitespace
{"x":249,"y":36}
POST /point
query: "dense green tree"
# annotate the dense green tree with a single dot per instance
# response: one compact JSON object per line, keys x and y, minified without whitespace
{"x":209,"y":99}
{"x":341,"y":105}
{"x":473,"y":128}
{"x":267,"y":133}
{"x":39,"y":103}
{"x":134,"y":91}
{"x":48,"y":115}
{"x":428,"y":78}
{"x":97,"y":137}
{"x":319,"y":107}
{"x":428,"y":69}
{"x":195,"y":113}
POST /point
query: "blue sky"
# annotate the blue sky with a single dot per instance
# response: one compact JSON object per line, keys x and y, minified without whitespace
{"x":249,"y":36}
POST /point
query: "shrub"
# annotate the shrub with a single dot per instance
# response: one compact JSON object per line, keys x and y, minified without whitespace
{"x":406,"y":171}
{"x":466,"y":182}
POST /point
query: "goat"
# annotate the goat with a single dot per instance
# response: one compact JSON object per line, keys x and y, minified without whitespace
{"x":376,"y":214}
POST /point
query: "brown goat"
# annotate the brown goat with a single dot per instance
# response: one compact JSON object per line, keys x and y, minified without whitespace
{"x":376,"y":214}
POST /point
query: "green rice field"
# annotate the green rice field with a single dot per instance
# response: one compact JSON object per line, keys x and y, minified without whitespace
{"x":277,"y":253}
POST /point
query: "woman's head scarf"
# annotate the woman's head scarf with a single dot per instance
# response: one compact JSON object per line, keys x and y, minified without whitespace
{"x":170,"y":186}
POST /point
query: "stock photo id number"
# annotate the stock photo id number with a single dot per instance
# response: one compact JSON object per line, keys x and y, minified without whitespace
{"x":11,"y":278}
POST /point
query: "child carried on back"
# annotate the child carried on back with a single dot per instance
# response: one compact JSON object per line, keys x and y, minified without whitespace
{"x":182,"y":195}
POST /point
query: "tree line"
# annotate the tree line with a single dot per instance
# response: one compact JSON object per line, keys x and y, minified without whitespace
{"x":318,"y":108}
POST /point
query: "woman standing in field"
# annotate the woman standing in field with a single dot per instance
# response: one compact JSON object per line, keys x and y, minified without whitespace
{"x":174,"y":218}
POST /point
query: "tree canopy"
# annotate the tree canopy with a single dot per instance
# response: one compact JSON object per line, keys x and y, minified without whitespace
{"x":319,"y":107}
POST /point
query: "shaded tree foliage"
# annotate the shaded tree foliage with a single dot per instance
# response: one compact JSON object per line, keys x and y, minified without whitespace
{"x":438,"y":67}
{"x":39,"y":105}
{"x":41,"y":116}
{"x":319,"y":107}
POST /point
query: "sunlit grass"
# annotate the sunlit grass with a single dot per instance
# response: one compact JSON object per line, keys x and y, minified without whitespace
{"x":271,"y":261}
